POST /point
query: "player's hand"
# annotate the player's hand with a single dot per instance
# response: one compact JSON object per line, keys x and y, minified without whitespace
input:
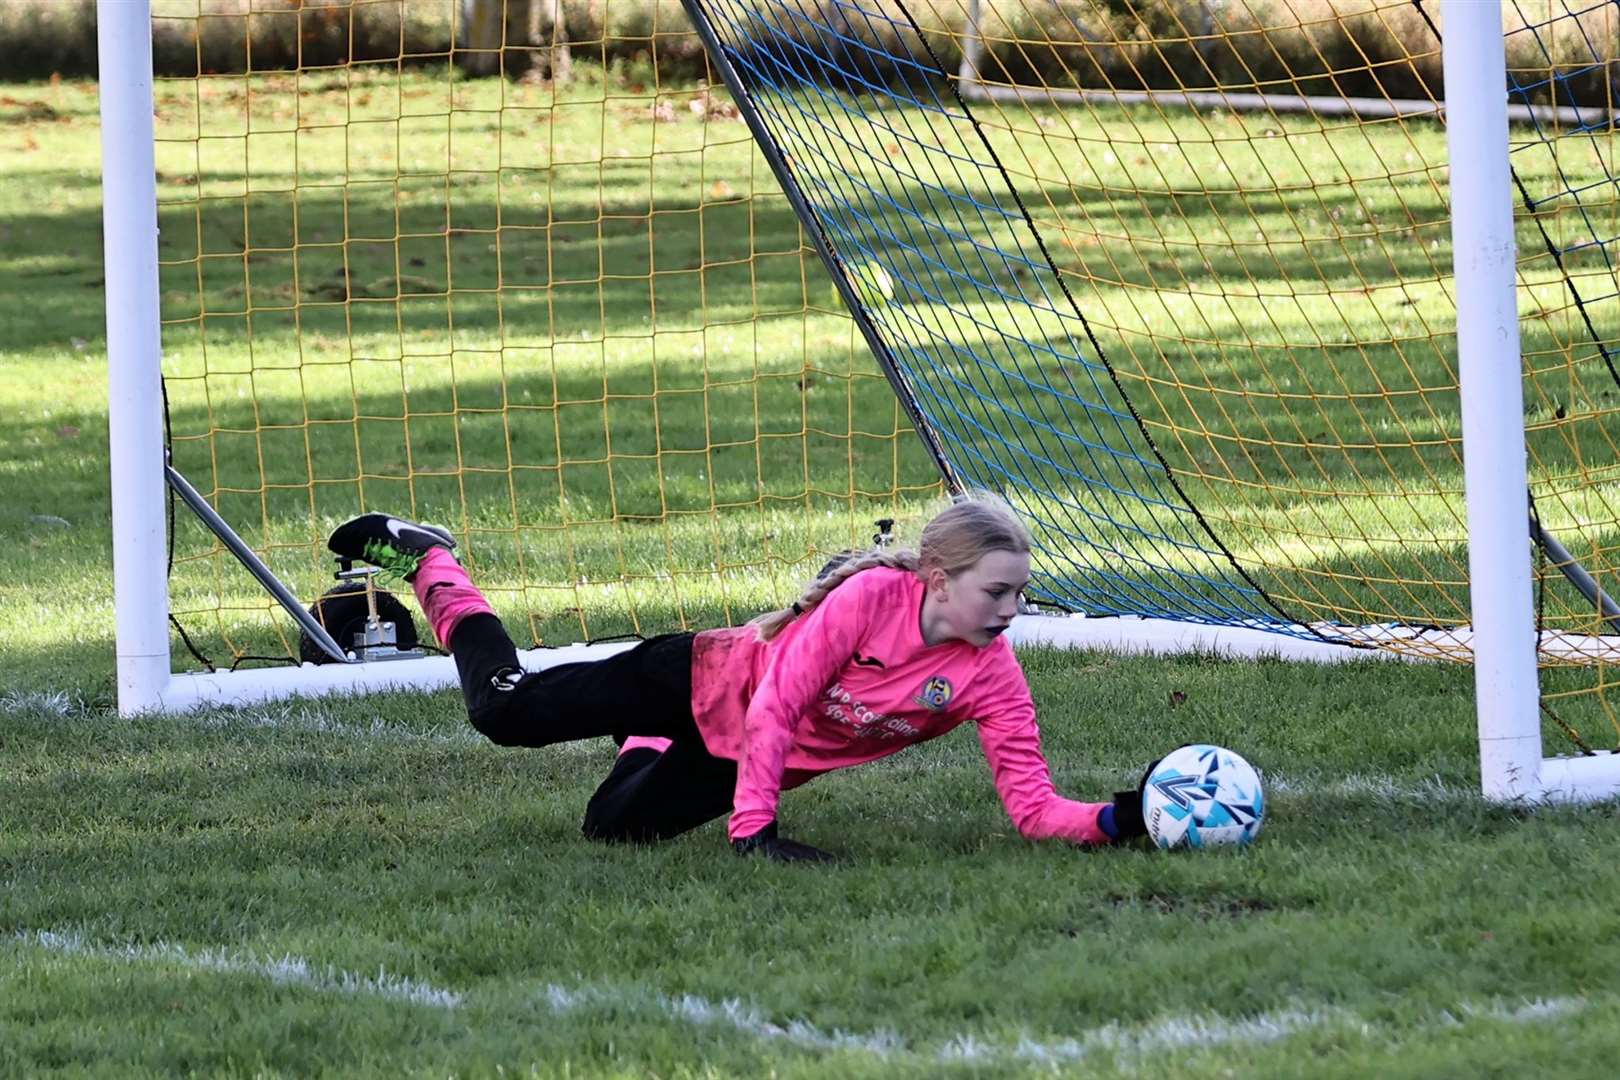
{"x":1128,"y":820}
{"x":767,"y":844}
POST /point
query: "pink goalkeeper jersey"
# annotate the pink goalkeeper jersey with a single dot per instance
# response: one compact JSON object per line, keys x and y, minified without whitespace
{"x":852,"y":682}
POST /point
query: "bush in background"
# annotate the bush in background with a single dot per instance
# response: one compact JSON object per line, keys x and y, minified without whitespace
{"x":40,"y":38}
{"x":1363,"y":48}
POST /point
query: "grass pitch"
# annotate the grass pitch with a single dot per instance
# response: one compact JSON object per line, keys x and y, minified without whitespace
{"x":366,"y":888}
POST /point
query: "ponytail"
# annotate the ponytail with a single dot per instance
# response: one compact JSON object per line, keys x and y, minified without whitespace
{"x":974,"y":523}
{"x":771,"y":623}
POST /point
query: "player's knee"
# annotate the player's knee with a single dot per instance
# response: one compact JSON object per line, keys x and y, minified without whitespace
{"x":500,"y":725}
{"x":602,"y":824}
{"x":611,"y":816}
{"x":596,"y":826}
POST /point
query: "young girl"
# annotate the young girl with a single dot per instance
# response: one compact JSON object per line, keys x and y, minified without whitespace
{"x":883,"y":651}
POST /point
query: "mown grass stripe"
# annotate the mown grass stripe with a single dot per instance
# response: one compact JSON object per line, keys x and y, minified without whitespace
{"x":313,"y":719}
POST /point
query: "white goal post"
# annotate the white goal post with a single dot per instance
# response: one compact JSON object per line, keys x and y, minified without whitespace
{"x":1513,"y":765}
{"x":1495,"y":474}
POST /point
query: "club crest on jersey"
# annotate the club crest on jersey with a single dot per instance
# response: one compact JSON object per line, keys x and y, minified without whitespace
{"x":935,"y":694}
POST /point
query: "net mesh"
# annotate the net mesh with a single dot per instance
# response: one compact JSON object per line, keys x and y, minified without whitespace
{"x":1178,"y":277}
{"x":1561,"y":77}
{"x":574,"y":322}
{"x":1174,"y":276}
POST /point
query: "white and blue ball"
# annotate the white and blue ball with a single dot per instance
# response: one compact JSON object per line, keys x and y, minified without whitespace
{"x":1202,"y":796}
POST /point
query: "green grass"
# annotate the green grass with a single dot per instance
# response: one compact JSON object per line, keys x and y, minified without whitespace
{"x":1406,"y":931}
{"x":592,"y":344}
{"x":1386,"y":924}
{"x":581,"y":448}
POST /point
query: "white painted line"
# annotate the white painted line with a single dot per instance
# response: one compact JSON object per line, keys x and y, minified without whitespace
{"x":313,"y":719}
{"x":1432,"y":790}
{"x":284,"y":971}
{"x":1526,"y":1012}
{"x":195,"y":690}
{"x":1176,"y":1033}
{"x":1118,"y":1041}
{"x":729,"y":1012}
{"x":50,"y":702}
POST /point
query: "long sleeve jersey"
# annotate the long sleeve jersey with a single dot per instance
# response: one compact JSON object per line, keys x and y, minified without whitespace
{"x":853,"y":681}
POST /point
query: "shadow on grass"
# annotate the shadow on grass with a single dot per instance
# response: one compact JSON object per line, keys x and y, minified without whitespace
{"x":469,"y":351}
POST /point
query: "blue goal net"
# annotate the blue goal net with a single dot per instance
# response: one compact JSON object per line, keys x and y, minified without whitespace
{"x":958,"y":295}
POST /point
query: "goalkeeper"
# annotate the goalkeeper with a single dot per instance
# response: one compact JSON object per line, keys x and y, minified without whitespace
{"x":882,"y":651}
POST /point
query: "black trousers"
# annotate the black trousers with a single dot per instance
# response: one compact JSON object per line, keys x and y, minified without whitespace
{"x":645,"y":690}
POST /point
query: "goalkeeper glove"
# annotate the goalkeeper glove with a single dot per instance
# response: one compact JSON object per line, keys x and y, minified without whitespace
{"x":1122,"y":820}
{"x":779,"y":849}
{"x":1125,"y":817}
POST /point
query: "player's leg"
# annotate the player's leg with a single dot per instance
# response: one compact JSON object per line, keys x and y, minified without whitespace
{"x":644,"y":690}
{"x":420,"y":554}
{"x":653,"y":795}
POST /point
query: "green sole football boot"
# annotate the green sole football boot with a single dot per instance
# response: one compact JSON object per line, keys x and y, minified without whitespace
{"x":392,"y":544}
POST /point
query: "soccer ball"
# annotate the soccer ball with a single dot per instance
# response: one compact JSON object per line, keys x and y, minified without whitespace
{"x":1201,"y":796}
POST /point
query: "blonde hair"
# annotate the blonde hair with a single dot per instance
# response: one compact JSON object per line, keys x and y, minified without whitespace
{"x":955,"y":539}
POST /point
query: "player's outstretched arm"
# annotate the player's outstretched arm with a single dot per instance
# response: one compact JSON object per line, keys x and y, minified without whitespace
{"x":1012,"y":746}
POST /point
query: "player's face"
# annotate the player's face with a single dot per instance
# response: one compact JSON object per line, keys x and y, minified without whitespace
{"x":979,"y":603}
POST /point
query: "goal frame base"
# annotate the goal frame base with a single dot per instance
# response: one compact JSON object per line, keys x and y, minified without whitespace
{"x":1555,"y":780}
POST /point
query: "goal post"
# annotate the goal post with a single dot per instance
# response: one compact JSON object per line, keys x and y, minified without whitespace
{"x":145,"y":679}
{"x":134,"y":349}
{"x":1263,"y":384}
{"x":1488,"y":358}
{"x":1512,"y":765}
